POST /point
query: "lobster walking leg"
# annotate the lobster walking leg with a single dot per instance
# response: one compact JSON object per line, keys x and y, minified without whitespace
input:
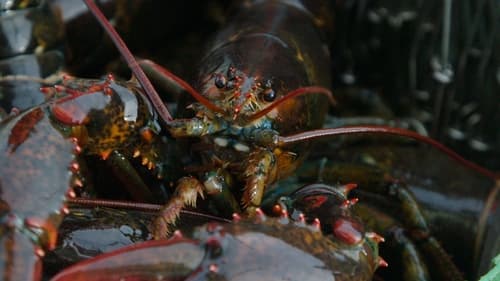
{"x":185,"y":194}
{"x":418,"y":230}
{"x":392,"y":195}
{"x":131,"y":180}
{"x":260,"y":170}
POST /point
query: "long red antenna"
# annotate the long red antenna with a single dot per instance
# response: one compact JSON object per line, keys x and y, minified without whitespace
{"x":131,"y":62}
{"x":195,"y":94}
{"x":292,"y":94}
{"x":145,"y":207}
{"x":356,"y":130}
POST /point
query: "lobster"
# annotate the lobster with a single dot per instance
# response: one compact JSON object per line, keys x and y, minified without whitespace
{"x":220,"y":87}
{"x":234,"y":109}
{"x":220,"y":114}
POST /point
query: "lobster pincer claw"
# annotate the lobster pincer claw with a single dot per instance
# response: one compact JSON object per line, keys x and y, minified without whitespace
{"x":36,"y":177}
{"x":173,"y":259}
{"x":270,"y":249}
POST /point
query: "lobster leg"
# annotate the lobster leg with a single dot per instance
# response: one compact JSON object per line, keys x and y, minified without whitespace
{"x":217,"y":186}
{"x":420,"y":232}
{"x":186,"y":193}
{"x":375,"y":183}
{"x":261,"y":169}
{"x":401,"y":251}
{"x":127,"y":174}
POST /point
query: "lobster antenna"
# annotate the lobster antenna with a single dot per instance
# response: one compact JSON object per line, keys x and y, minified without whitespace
{"x":356,"y":130}
{"x":145,"y":207}
{"x":195,"y":94}
{"x":292,"y":94}
{"x":131,"y":62}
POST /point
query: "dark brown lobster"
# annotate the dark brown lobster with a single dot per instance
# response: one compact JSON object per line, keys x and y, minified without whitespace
{"x":245,"y":105}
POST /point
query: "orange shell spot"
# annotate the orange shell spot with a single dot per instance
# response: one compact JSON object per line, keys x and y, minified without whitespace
{"x":95,"y":88}
{"x":21,"y":131}
{"x":105,"y":154}
{"x":277,"y":209}
{"x":46,"y":90}
{"x":147,"y":135}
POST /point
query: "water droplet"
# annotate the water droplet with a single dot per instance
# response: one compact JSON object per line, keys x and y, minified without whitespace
{"x":456,"y":134}
{"x":479,"y":145}
{"x":348,"y":78}
{"x":127,"y":230}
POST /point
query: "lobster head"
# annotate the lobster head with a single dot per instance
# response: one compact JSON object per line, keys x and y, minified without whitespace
{"x":247,"y":85}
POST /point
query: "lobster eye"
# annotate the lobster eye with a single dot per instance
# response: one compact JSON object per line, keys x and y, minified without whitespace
{"x":230,"y":84}
{"x":220,"y":81}
{"x":268,"y":95}
{"x":231,"y":73}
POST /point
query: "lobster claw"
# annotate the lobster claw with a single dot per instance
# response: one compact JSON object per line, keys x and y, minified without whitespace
{"x":37,"y":165}
{"x":174,"y":259}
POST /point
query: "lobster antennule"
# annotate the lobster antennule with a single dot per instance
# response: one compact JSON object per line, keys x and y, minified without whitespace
{"x":295,"y":93}
{"x":195,"y":94}
{"x":131,"y":62}
{"x":354,"y":130}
